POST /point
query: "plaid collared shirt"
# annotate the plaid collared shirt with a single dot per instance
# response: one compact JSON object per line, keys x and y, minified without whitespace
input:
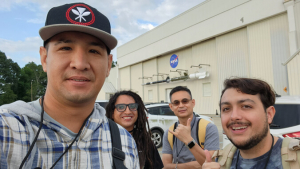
{"x":93,"y":149}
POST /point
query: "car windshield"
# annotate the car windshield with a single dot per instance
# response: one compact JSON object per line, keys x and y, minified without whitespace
{"x":287,"y":115}
{"x":161,"y":110}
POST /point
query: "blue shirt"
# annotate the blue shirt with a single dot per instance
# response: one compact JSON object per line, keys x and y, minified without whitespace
{"x":259,"y":162}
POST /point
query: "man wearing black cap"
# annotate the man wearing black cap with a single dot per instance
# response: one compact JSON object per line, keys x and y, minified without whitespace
{"x":65,"y":128}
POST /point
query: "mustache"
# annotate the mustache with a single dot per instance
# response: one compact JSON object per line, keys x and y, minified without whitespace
{"x":239,"y":123}
{"x":85,"y":74}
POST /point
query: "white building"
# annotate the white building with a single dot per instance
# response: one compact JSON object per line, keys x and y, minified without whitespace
{"x":109,"y":86}
{"x":245,"y":38}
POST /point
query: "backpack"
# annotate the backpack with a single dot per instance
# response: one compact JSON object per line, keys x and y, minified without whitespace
{"x":290,"y":154}
{"x":201,"y":128}
{"x":117,"y":153}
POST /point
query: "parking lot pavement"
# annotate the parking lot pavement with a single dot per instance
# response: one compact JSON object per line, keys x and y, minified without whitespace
{"x":217,"y":121}
{"x":159,"y":150}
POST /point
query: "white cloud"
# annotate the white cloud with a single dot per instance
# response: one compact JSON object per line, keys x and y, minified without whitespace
{"x":5,"y":5}
{"x":129,"y":19}
{"x":36,"y":21}
{"x":121,"y":13}
{"x":134,"y":18}
{"x":147,"y":27}
{"x":28,"y":45}
{"x":22,"y":52}
{"x":28,"y":59}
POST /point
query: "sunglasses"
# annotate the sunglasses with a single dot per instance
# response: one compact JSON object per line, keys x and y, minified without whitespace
{"x":183,"y":101}
{"x":131,"y":106}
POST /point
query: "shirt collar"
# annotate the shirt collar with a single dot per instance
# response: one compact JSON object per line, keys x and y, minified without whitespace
{"x":193,"y":120}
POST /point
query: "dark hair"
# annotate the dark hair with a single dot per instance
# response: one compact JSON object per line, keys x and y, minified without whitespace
{"x":48,"y":40}
{"x":141,"y":133}
{"x":180,"y":88}
{"x":253,"y":87}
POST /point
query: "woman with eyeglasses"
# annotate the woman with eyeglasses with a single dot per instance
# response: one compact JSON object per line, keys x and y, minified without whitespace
{"x":128,"y":110}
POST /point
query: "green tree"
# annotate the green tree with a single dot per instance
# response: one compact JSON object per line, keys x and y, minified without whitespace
{"x":113,"y":64}
{"x":33,"y":81}
{"x":8,"y":96}
{"x":9,"y":75}
{"x":25,"y":84}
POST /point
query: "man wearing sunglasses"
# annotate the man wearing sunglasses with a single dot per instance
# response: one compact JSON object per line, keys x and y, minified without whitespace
{"x":185,"y":149}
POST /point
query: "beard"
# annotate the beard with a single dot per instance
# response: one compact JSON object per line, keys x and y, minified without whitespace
{"x":79,"y":98}
{"x":254,"y":140}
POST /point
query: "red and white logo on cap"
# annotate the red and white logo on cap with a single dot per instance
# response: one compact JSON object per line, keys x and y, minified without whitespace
{"x":80,"y":14}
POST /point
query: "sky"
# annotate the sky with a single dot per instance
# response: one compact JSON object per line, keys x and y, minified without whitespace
{"x":21,"y":20}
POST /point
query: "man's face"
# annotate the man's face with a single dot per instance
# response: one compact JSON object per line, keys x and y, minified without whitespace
{"x":182,"y":110}
{"x":244,"y":119}
{"x":76,"y":65}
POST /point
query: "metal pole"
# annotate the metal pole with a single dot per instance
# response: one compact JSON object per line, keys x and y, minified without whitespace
{"x":31,"y":90}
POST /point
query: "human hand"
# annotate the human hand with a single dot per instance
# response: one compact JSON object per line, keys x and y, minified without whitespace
{"x":208,"y":164}
{"x":183,"y":133}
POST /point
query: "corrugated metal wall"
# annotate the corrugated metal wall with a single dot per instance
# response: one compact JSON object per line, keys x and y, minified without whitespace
{"x":297,"y":19}
{"x":294,"y":75}
{"x":260,"y":51}
{"x":232,"y":54}
{"x":150,"y":68}
{"x":293,"y":65}
{"x":136,"y":73}
{"x":125,"y":78}
{"x":268,"y":48}
{"x":163,"y":63}
{"x":280,"y":52}
{"x":254,"y":51}
{"x":205,"y":53}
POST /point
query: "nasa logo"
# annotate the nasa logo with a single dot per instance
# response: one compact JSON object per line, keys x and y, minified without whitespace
{"x":174,"y":61}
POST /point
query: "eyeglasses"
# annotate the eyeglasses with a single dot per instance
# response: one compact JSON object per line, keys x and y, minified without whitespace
{"x":183,"y":101}
{"x":131,"y":106}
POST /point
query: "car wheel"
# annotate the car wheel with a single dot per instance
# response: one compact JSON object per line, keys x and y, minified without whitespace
{"x":156,"y":138}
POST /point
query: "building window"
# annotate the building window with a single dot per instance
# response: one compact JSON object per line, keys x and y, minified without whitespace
{"x":150,"y":94}
{"x":206,"y":89}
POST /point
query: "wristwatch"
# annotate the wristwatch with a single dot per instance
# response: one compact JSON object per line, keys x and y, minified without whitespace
{"x":191,"y":144}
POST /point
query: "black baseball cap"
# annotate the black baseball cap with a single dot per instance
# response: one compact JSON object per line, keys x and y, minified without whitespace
{"x":78,"y":17}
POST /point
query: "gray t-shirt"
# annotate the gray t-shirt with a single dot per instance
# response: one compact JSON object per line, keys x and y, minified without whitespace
{"x":181,"y":153}
{"x":259,"y":162}
{"x":36,"y":105}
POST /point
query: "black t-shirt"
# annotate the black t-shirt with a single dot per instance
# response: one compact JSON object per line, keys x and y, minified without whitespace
{"x":157,"y":163}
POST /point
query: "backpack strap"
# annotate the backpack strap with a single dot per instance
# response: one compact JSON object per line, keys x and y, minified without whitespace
{"x":117,"y":153}
{"x":171,"y":137}
{"x":290,"y":153}
{"x":201,"y":127}
{"x":225,"y":156}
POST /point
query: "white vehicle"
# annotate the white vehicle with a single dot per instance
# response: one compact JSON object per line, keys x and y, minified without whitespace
{"x":102,"y":103}
{"x":286,"y":122}
{"x":160,"y":118}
